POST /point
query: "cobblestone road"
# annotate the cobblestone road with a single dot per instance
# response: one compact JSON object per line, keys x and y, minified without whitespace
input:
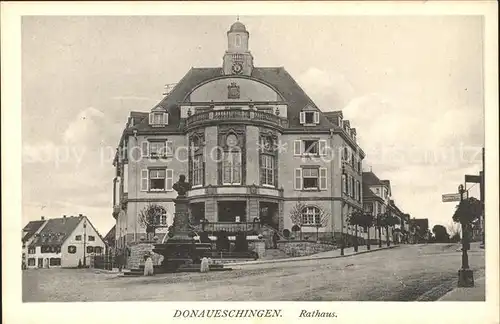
{"x":414,"y":272}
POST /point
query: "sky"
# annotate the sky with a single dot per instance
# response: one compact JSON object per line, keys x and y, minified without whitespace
{"x":412,"y":86}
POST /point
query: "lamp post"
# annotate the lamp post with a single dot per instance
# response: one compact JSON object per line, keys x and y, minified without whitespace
{"x":465,"y":275}
{"x":342,"y":229}
{"x":84,"y":243}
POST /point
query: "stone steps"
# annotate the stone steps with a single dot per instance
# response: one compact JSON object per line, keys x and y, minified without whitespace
{"x":186,"y":268}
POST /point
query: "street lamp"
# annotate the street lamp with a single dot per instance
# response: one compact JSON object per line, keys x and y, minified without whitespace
{"x":465,"y":275}
{"x":84,"y":242}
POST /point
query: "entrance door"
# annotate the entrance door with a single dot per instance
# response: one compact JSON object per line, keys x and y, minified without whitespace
{"x":40,"y":262}
{"x":230,"y":211}
{"x":268,"y":214}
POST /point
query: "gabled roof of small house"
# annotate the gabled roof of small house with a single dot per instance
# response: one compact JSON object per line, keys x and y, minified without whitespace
{"x":56,"y":231}
{"x":368,"y":193}
{"x":30,"y":229}
{"x":371,"y":179}
{"x":111,"y":236}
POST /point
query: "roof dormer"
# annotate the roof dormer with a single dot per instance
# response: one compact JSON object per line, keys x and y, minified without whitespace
{"x":309,"y":116}
{"x":347,"y":126}
{"x":353,"y":134}
{"x":158,"y":117}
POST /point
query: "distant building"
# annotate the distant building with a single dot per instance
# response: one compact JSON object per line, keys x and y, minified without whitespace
{"x":60,"y":242}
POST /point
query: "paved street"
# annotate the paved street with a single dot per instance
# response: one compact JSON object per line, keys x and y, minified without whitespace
{"x":413,"y":272}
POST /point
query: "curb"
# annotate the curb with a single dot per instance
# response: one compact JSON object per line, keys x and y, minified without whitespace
{"x":453,"y":289}
{"x":312,"y":258}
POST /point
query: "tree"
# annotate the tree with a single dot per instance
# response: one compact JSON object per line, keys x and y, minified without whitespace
{"x":467,"y":211}
{"x":454,"y":230}
{"x":296,"y":215}
{"x":387,"y":220}
{"x":150,"y":217}
{"x":360,"y":218}
{"x":440,"y":234}
{"x":322,"y":221}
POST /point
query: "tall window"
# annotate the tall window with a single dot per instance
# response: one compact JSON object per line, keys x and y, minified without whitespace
{"x":344,"y":183}
{"x":198,"y":170}
{"x":231,"y":167}
{"x":310,"y":215}
{"x":353,"y":187}
{"x":197,"y":167}
{"x":267,"y":161}
{"x":267,"y":170}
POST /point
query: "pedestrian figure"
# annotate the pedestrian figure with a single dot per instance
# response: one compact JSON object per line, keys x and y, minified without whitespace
{"x":204,"y":267}
{"x":275,"y":240}
{"x":148,"y":266}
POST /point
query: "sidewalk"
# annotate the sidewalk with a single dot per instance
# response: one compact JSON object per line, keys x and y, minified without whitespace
{"x":476,"y":293}
{"x":320,"y":256}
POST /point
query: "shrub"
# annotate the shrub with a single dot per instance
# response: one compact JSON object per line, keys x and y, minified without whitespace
{"x":286,"y":233}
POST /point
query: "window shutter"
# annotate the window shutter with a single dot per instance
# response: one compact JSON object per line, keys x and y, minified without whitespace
{"x":144,"y":179}
{"x":151,"y":119}
{"x":302,"y":117}
{"x":298,"y":179}
{"x":145,"y":148}
{"x":316,"y":117}
{"x":169,"y":179}
{"x":165,"y":118}
{"x":322,"y":179}
{"x":169,"y":151}
{"x":297,"y":147}
{"x":322,"y":147}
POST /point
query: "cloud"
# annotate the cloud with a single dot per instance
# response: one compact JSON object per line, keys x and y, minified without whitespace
{"x":83,"y":125}
{"x":328,"y":89}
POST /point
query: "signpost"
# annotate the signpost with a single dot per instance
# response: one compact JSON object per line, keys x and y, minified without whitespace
{"x":451,"y":197}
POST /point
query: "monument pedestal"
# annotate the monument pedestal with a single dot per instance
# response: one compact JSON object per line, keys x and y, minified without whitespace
{"x":180,"y":248}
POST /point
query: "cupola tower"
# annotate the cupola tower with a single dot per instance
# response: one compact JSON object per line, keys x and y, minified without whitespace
{"x":237,"y":59}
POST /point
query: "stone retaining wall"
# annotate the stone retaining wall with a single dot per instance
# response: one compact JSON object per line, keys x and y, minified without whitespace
{"x":137,"y":252}
{"x":303,"y":248}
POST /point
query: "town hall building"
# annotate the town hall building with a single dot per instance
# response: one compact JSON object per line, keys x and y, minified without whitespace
{"x":252,"y":144}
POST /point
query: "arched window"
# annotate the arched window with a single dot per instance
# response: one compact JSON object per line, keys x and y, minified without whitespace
{"x":197,"y":165}
{"x":237,"y":41}
{"x":310,"y":215}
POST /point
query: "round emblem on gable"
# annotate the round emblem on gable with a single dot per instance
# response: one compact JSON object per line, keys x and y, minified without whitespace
{"x":237,"y":68}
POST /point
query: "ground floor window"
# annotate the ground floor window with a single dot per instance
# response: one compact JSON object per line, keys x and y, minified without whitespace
{"x":31,"y":261}
{"x":71,"y":249}
{"x":97,"y":250}
{"x":90,"y":249}
{"x":310,"y":215}
{"x":55,"y":262}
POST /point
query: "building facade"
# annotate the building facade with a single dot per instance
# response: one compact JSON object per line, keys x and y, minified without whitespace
{"x":252,"y":144}
{"x":60,"y":242}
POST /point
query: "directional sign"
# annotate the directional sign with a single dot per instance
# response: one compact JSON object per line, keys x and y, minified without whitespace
{"x":451,"y":197}
{"x":472,"y":178}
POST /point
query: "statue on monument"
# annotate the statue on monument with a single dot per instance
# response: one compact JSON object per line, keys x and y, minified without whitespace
{"x":182,"y":186}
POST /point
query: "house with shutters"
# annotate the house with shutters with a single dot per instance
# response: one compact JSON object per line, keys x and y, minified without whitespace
{"x":60,"y":242}
{"x":252,"y":144}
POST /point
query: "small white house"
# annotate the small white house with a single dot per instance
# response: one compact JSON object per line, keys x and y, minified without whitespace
{"x":61,"y":242}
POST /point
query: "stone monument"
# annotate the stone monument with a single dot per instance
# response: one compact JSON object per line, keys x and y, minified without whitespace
{"x":180,"y":249}
{"x":181,"y":228}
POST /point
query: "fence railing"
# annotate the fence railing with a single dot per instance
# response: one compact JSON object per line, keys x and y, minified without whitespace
{"x":233,"y":114}
{"x":230,"y":227}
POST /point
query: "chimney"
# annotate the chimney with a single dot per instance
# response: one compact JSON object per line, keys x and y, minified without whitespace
{"x":64,"y":216}
{"x":81,"y":215}
{"x":43,"y":217}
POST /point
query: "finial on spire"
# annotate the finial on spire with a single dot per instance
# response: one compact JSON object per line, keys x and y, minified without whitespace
{"x":238,"y":18}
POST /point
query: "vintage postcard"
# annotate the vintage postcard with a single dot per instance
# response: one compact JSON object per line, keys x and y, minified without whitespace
{"x":293,"y":162}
